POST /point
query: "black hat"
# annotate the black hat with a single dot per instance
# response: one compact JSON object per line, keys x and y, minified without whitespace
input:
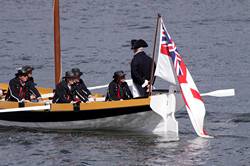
{"x":69,"y":74}
{"x":119,"y":74}
{"x":28,"y":68}
{"x":138,"y":43}
{"x":21,"y":71}
{"x":76,"y":72}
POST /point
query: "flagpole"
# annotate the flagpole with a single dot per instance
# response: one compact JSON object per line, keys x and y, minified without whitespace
{"x":153,"y":57}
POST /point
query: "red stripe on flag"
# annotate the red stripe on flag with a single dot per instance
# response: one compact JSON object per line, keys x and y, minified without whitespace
{"x":205,"y":132}
{"x":164,"y":49}
{"x":196,"y":94}
{"x":182,"y":78}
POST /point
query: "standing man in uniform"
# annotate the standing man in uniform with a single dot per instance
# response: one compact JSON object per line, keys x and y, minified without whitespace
{"x":141,"y":67}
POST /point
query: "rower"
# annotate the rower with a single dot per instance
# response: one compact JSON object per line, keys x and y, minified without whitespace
{"x":63,"y":92}
{"x":33,"y":90}
{"x":80,"y":89}
{"x":141,"y":66}
{"x":118,"y":89}
{"x":18,"y":89}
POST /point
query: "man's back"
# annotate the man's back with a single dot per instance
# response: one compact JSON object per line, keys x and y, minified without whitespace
{"x":141,"y":68}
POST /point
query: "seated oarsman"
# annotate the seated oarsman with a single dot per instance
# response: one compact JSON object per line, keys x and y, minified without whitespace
{"x":80,"y":90}
{"x":18,"y":88}
{"x":63,"y":92}
{"x":34,"y":93}
{"x":118,"y":89}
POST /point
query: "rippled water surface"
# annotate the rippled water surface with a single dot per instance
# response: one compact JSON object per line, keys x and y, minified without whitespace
{"x":212,"y":36}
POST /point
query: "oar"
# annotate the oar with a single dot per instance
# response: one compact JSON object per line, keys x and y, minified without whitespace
{"x":129,"y":82}
{"x":35,"y":108}
{"x":220,"y":93}
{"x":98,"y":87}
{"x":48,"y":95}
{"x":216,"y":93}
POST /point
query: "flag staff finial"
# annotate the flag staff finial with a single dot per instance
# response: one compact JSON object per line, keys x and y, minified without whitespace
{"x":153,"y":56}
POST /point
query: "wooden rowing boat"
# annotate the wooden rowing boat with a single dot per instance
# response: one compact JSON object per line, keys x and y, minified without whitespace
{"x":135,"y":114}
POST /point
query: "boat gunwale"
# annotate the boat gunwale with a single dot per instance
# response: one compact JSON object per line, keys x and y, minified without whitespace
{"x":60,"y":107}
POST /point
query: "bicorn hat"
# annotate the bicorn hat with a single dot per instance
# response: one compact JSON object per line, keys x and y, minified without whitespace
{"x":138,"y":43}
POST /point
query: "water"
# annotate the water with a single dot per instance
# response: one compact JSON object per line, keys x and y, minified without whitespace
{"x":212,"y":36}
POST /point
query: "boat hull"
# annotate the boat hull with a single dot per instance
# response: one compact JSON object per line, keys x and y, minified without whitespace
{"x":95,"y":115}
{"x":129,"y":115}
{"x":140,"y":121}
{"x":64,"y":116}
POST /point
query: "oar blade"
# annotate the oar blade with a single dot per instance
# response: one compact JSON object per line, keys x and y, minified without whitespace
{"x":220,"y":93}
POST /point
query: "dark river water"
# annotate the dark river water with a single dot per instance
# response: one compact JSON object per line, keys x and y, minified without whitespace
{"x":212,"y":36}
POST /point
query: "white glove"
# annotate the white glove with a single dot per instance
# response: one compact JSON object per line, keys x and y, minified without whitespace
{"x":145,"y":84}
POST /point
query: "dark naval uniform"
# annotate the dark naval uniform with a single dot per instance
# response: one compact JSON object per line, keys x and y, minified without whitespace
{"x":17,"y":91}
{"x":63,"y":94}
{"x":31,"y":80}
{"x":33,"y":91}
{"x":81,"y":91}
{"x":141,"y":67}
{"x":118,"y":91}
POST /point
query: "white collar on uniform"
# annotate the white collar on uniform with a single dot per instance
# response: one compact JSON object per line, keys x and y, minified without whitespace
{"x":139,"y":50}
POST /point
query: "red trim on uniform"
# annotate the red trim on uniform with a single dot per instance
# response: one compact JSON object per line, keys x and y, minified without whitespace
{"x":118,"y":92}
{"x":67,"y":97}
